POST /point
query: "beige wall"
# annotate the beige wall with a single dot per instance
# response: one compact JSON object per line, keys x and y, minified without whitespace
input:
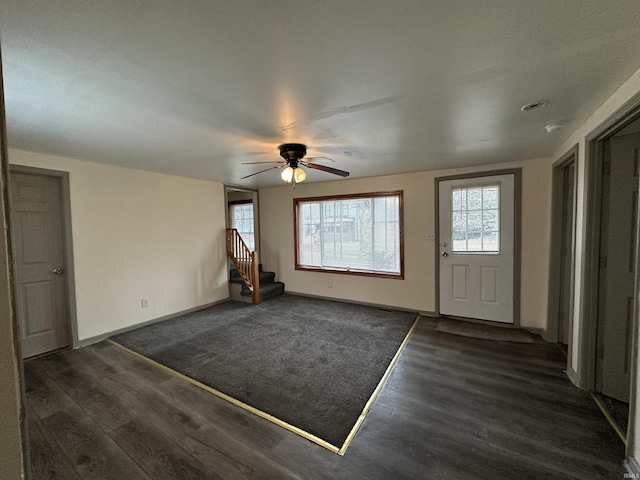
{"x":614,"y":103}
{"x":417,"y":290}
{"x":139,"y":235}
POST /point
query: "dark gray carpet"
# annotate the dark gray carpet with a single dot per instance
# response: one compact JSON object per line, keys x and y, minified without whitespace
{"x":311,"y":363}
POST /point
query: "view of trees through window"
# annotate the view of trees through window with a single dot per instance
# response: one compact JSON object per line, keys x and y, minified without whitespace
{"x":475,"y":219}
{"x":360,"y":233}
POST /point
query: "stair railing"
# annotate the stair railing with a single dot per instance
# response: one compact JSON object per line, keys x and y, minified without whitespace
{"x":246,"y":262}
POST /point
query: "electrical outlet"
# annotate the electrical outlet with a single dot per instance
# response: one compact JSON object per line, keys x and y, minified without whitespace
{"x":144,"y":303}
{"x":330,"y":284}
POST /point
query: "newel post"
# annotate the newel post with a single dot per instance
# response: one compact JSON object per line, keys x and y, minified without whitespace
{"x":255,"y":278}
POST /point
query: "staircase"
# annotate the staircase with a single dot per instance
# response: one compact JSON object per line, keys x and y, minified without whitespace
{"x":269,"y":288}
{"x":247,"y":280}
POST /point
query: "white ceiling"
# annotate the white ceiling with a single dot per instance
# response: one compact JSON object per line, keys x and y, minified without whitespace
{"x":195,"y":88}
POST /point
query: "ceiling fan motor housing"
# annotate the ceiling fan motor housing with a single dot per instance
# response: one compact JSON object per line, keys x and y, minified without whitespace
{"x":292,"y":151}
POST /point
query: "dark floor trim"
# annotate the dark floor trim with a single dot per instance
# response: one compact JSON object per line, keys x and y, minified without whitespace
{"x":99,"y":338}
{"x":366,"y":304}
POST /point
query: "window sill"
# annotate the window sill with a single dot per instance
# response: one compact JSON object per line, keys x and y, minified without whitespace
{"x":345,"y":271}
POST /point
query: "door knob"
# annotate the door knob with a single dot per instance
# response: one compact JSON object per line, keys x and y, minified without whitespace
{"x":59,"y":271}
{"x":445,"y":254}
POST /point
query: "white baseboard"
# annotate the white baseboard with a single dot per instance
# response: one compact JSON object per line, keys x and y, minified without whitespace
{"x":99,"y":338}
{"x":573,"y":376}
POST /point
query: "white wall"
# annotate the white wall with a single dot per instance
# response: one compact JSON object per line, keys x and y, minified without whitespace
{"x":417,"y":290}
{"x":139,"y":235}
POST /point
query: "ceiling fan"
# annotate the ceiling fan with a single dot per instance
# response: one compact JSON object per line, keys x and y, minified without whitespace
{"x":293,"y":153}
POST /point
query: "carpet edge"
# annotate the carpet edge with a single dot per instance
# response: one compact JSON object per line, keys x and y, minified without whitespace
{"x":234,"y":401}
{"x":377,"y":390}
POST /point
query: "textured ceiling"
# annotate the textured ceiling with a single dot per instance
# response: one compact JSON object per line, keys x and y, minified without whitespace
{"x":196,"y":88}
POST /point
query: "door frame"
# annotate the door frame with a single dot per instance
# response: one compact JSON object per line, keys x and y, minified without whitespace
{"x":517,"y":219}
{"x":65,"y":209}
{"x":587,"y":340}
{"x":256,"y":211}
{"x":555,"y":256}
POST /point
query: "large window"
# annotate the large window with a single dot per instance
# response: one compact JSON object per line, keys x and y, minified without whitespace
{"x":359,"y":234}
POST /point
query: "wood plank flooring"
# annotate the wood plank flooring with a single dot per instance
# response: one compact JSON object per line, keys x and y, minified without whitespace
{"x":453,"y":407}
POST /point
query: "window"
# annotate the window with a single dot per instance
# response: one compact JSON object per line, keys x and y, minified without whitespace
{"x":358,"y":234}
{"x":241,"y":215}
{"x":475,"y":221}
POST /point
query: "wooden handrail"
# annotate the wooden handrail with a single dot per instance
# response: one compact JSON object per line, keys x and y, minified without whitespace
{"x":246,"y":262}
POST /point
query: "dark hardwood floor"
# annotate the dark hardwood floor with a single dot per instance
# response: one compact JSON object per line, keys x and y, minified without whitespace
{"x":454,"y":407}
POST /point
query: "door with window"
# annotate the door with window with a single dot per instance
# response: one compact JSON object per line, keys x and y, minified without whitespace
{"x":476,"y":249}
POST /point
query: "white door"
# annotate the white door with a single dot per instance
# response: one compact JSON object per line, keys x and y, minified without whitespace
{"x":39,"y":263}
{"x":476,"y":235}
{"x":620,"y":263}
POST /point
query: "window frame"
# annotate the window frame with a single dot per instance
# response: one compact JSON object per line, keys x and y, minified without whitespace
{"x":234,"y":203}
{"x":499,"y":219}
{"x":350,"y":271}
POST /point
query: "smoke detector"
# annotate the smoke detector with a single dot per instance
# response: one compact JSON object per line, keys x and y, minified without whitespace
{"x":554,"y":127}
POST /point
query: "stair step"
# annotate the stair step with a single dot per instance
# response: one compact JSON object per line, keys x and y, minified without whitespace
{"x":269,"y":288}
{"x":265,"y":277}
{"x":267,"y":291}
{"x":235,"y":275}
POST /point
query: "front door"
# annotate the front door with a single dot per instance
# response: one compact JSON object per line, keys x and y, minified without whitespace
{"x":39,"y":263}
{"x":619,"y":266}
{"x":476,"y":235}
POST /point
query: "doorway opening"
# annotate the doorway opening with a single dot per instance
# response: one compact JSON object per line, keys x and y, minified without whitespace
{"x":610,"y":297}
{"x":243,"y":214}
{"x":562,"y":258}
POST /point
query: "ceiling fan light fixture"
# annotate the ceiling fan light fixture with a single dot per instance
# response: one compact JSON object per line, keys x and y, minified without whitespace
{"x":287,"y":174}
{"x":299,"y":175}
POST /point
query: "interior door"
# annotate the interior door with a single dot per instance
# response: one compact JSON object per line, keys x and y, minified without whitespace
{"x":476,"y":235}
{"x":39,"y":263}
{"x":620,"y":263}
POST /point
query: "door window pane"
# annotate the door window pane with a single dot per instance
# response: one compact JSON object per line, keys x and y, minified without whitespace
{"x":475,"y":219}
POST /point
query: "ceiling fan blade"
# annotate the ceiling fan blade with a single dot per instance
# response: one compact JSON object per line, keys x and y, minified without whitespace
{"x":313,"y":159}
{"x":260,"y":163}
{"x":324,"y":168}
{"x":256,"y":173}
